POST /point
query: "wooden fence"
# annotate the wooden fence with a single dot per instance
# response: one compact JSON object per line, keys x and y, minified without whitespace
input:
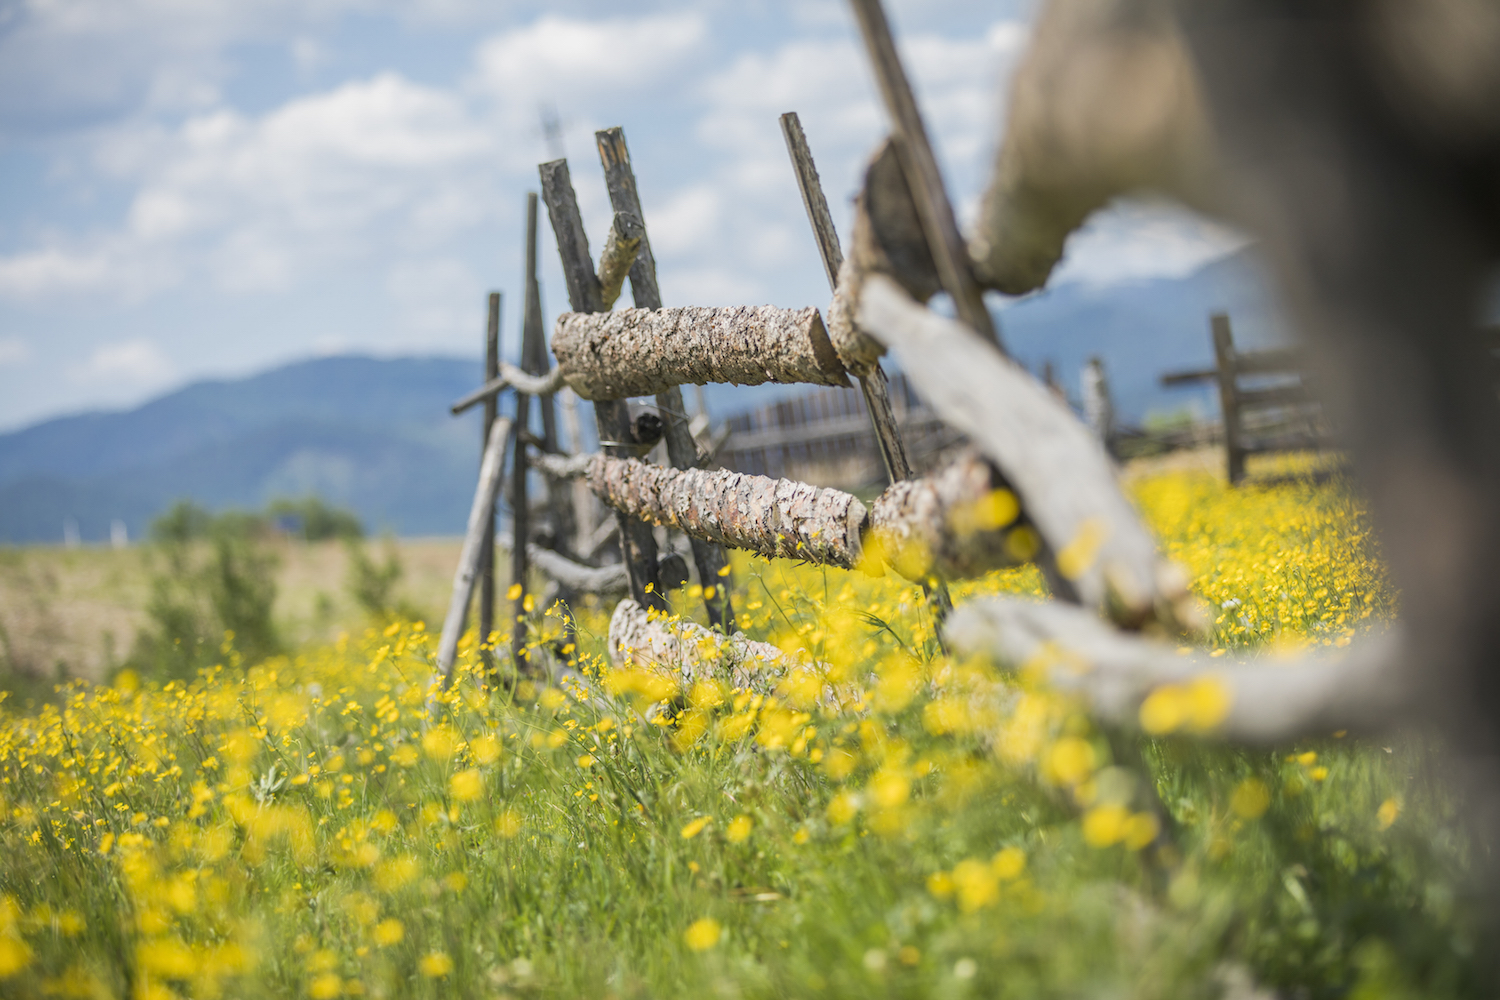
{"x":1037,"y":484}
{"x":825,"y":436}
{"x":1265,"y":402}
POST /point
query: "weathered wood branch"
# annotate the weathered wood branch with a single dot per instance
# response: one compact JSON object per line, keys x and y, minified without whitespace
{"x":682,"y":450}
{"x":772,"y":517}
{"x":1266,"y":699}
{"x":638,"y":352}
{"x":491,"y":472}
{"x":511,"y":377}
{"x":618,"y":256}
{"x":578,"y":577}
{"x":1065,"y":481}
{"x":920,"y":168}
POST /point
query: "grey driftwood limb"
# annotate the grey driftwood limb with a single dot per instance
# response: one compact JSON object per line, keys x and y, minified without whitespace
{"x":639,"y":352}
{"x":1065,"y":481}
{"x":772,"y":517}
{"x":688,"y":651}
{"x":511,"y":377}
{"x":682,"y":451}
{"x":578,"y":577}
{"x":617,"y":258}
{"x":491,"y":472}
{"x":1362,"y":687}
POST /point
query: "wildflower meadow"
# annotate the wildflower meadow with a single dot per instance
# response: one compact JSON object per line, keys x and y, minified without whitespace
{"x":883,"y":821}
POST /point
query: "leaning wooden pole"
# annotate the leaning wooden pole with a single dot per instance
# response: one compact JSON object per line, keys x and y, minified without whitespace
{"x":682,"y":451}
{"x":872,"y":385}
{"x":637,"y":542}
{"x":491,"y":472}
{"x":487,"y":550}
{"x":520,"y":503}
{"x":922,"y":175}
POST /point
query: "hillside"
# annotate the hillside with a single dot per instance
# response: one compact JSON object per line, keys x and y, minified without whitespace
{"x":371,"y":434}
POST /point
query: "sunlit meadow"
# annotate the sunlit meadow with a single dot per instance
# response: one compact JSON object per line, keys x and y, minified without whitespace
{"x":885,"y":821}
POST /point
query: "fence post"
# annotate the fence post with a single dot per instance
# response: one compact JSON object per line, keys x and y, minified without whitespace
{"x":874,"y":386}
{"x":1098,"y":407}
{"x":637,"y":543}
{"x":520,"y":502}
{"x":922,"y":175}
{"x":1229,"y":398}
{"x":682,"y":451}
{"x":487,"y":552}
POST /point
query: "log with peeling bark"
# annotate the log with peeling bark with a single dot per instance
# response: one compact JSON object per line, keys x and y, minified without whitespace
{"x":1065,"y":481}
{"x":772,"y":517}
{"x":960,"y":521}
{"x":1260,"y":699}
{"x":689,"y":652}
{"x":491,"y":472}
{"x":639,"y":352}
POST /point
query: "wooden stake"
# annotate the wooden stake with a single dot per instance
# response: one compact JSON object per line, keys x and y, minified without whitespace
{"x":1229,"y":391}
{"x":491,"y":472}
{"x":520,"y":502}
{"x":682,"y":451}
{"x":873,"y":386}
{"x":922,"y":175}
{"x":613,"y":416}
{"x":487,"y":552}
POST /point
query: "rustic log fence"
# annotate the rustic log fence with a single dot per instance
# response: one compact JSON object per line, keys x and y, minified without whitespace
{"x":1037,"y":485}
{"x":1265,"y":403}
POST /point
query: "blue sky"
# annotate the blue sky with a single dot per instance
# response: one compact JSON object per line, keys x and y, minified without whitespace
{"x":194,"y":188}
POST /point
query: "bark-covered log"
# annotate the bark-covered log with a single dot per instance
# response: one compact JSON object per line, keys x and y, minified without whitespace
{"x":961,"y":521}
{"x":511,"y":376}
{"x":688,"y":652}
{"x":578,"y":577}
{"x":618,"y":256}
{"x":491,"y":472}
{"x":1065,"y":481}
{"x":1247,"y":699}
{"x":638,"y":352}
{"x":773,"y":517}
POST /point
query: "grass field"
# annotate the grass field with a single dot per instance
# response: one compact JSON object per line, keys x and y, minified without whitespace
{"x":317,"y":825}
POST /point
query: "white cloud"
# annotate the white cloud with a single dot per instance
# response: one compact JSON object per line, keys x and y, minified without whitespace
{"x":1136,"y":239}
{"x":131,"y":363}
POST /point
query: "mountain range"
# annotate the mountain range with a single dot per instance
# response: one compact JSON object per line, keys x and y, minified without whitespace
{"x":375,"y":434}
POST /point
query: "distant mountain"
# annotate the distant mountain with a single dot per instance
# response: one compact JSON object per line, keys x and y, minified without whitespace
{"x":1143,"y":329}
{"x":371,"y":434}
{"x":375,"y":435}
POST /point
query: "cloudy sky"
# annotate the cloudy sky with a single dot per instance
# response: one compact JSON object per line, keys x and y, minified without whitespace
{"x":194,"y":188}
